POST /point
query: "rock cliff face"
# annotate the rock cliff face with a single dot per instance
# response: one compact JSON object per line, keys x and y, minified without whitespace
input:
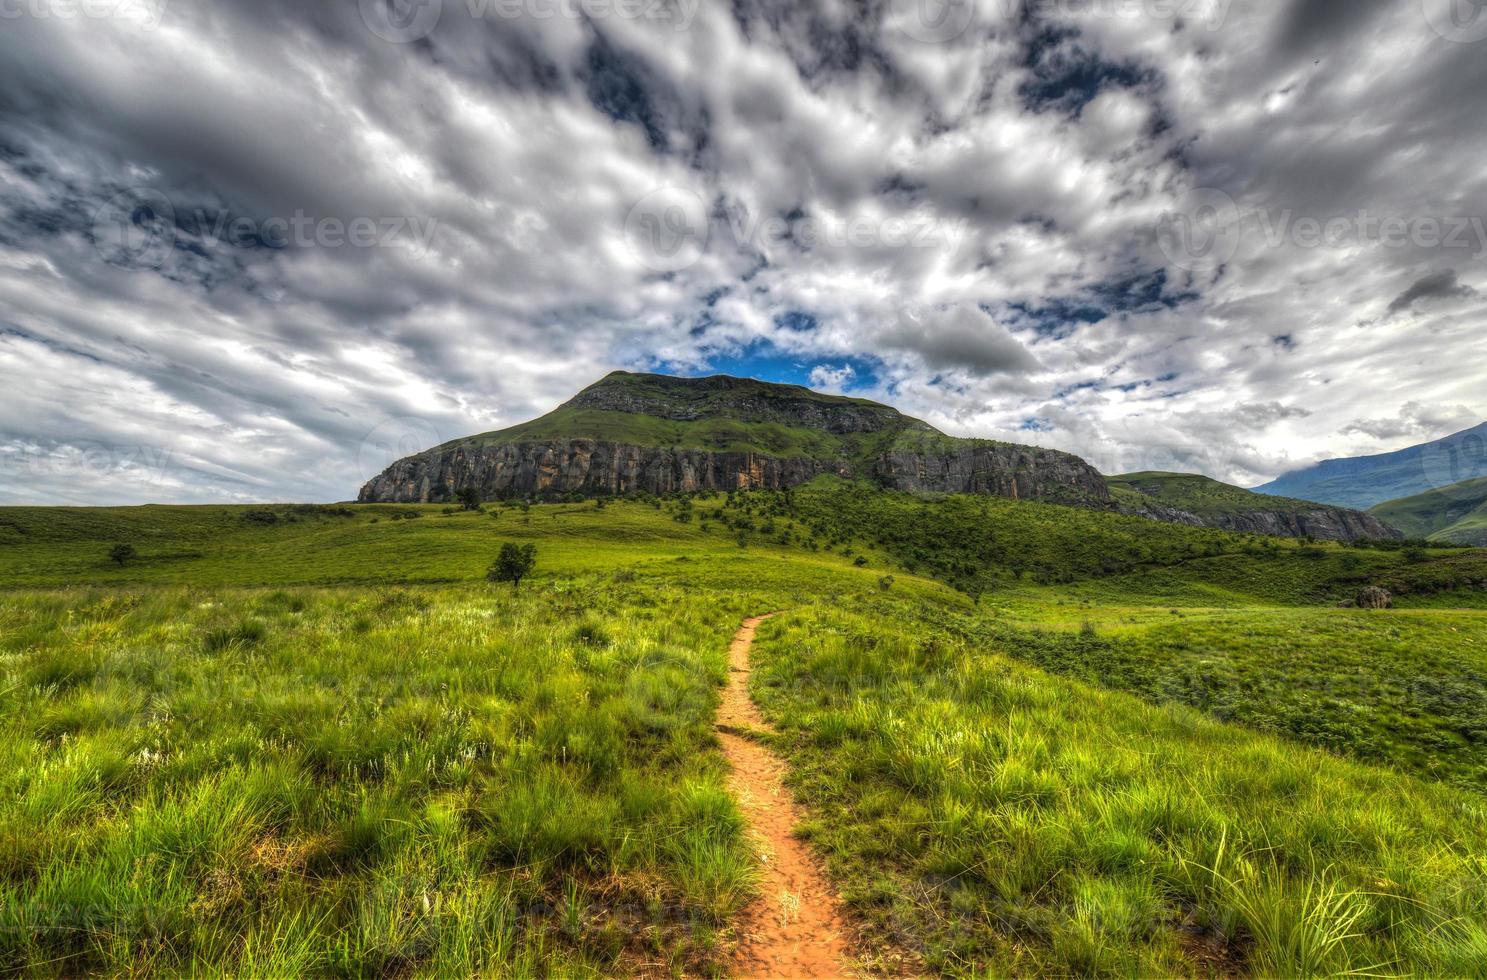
{"x":1323,"y":523}
{"x":597,"y":468}
{"x":582,"y":466}
{"x":1018,"y":472}
{"x":851,"y":438}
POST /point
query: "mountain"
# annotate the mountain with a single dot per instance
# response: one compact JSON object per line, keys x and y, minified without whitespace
{"x":1185,"y":498}
{"x":1456,"y":514}
{"x":647,"y":432}
{"x":1366,"y":481}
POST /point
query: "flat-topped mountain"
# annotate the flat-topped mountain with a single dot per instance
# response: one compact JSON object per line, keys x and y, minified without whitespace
{"x":646,"y":432}
{"x":1187,"y":498}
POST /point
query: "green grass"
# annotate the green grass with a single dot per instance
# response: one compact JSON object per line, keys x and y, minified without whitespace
{"x":1006,"y":822}
{"x":321,"y":744}
{"x":1403,"y":688}
{"x":363,"y":781}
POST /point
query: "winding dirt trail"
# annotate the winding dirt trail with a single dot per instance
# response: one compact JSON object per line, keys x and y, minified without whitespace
{"x":797,"y":927}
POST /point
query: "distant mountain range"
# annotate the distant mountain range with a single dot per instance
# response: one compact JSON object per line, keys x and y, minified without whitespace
{"x":630,"y":433}
{"x":1363,"y":482}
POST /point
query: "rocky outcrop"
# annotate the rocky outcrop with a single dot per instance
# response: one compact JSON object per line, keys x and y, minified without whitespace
{"x":604,"y":468}
{"x":1018,"y":472}
{"x":1323,"y":523}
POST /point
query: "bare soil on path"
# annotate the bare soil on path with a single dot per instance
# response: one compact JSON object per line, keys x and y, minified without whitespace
{"x":797,"y":927}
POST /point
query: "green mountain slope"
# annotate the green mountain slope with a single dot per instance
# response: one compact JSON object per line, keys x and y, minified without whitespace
{"x":1187,"y":498}
{"x":1367,"y":481}
{"x":1455,"y":513}
{"x":735,"y":415}
{"x":1196,"y":494}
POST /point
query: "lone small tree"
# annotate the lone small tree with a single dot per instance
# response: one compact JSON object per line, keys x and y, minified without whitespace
{"x":122,"y":553}
{"x":469,"y":498}
{"x":514,"y":563}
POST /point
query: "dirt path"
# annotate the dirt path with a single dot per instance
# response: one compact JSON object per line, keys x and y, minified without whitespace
{"x":796,"y":929}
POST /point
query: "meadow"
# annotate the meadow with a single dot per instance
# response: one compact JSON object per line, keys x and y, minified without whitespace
{"x":314,"y":740}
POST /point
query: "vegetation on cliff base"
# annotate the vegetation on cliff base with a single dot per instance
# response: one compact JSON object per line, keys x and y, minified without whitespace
{"x":1197,"y":495}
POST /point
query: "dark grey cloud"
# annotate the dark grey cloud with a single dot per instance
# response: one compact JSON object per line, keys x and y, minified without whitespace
{"x":1312,"y":25}
{"x":1438,"y":285}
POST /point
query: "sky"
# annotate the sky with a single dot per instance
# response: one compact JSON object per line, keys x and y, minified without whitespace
{"x":257,"y":249}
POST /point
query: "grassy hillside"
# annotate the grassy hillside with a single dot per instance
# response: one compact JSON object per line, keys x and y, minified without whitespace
{"x":1455,"y":513}
{"x":1366,"y":481}
{"x":725,"y":415}
{"x":1198,"y":495}
{"x":315,"y":741}
{"x":717,"y":434}
{"x":987,"y":545}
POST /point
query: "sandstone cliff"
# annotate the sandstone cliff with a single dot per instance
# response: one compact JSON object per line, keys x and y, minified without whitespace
{"x":604,"y":468}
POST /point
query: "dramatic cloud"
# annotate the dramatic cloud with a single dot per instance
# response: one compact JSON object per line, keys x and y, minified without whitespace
{"x":255,"y":250}
{"x":1439,"y":285}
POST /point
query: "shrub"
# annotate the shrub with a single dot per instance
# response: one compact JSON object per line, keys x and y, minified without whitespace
{"x":514,"y":563}
{"x":121,"y":554}
{"x":469,"y":498}
{"x":247,"y":632}
{"x":886,"y":582}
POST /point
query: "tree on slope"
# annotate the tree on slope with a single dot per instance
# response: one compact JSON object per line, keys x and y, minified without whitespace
{"x":469,"y":498}
{"x":514,"y":563}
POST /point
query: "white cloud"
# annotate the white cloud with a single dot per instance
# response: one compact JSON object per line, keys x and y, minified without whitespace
{"x":974,"y":221}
